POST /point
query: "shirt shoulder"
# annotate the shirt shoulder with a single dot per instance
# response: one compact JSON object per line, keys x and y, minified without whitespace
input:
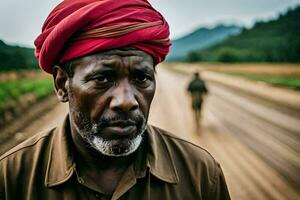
{"x":178,"y":146}
{"x":25,"y":163}
{"x":29,"y":146}
{"x":196,"y":168}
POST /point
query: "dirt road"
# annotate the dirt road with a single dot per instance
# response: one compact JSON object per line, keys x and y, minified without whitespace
{"x":248,"y":176}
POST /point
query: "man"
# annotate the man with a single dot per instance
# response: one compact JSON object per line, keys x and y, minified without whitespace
{"x":102,"y":55}
{"x":197,"y":90}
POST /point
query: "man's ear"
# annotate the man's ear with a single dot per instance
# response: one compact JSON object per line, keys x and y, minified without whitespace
{"x":61,"y":82}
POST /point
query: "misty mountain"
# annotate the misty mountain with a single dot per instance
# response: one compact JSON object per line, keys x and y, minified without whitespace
{"x":276,"y":40}
{"x":200,"y":39}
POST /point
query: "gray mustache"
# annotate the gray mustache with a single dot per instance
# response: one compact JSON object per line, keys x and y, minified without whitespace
{"x":137,"y":119}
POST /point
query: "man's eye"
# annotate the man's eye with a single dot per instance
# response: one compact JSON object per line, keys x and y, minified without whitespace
{"x":142,"y":78}
{"x":101,"y":79}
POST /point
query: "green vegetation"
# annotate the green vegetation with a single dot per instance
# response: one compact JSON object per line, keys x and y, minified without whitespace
{"x":13,"y":90}
{"x":284,"y":81}
{"x":16,"y":58}
{"x":274,"y":41}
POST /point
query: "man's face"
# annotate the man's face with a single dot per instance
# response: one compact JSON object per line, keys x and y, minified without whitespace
{"x":109,"y":99}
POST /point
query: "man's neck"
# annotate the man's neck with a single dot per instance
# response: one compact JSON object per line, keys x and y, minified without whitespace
{"x":103,"y":172}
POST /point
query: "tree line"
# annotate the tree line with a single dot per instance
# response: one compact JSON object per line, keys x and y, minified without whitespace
{"x":16,"y":58}
{"x":273,"y":41}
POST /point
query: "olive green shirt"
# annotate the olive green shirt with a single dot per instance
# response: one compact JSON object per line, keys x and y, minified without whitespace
{"x":165,"y":167}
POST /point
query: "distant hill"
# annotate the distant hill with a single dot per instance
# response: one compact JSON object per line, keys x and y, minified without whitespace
{"x":16,"y":58}
{"x":200,"y":39}
{"x":273,"y":41}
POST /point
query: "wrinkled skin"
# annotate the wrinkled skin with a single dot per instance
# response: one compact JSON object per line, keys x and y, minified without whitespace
{"x":109,"y":98}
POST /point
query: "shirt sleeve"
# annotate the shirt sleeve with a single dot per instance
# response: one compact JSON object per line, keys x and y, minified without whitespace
{"x":219,"y":190}
{"x":189,"y":88}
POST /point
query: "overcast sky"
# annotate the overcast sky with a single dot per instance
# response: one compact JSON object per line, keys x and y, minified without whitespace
{"x":21,"y":20}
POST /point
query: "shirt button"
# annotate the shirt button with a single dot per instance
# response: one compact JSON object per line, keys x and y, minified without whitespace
{"x":98,"y":196}
{"x":80,"y":180}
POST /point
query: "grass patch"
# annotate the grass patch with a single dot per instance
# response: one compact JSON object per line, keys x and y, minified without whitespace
{"x":12,"y":90}
{"x":292,"y":82}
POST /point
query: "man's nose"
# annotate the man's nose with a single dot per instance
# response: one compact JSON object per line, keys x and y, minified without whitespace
{"x":123,"y":98}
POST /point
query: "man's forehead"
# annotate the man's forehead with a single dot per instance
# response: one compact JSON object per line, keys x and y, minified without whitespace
{"x":128,"y":56}
{"x":117,"y":54}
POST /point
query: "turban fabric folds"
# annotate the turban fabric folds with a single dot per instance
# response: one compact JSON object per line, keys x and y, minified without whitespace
{"x":76,"y":28}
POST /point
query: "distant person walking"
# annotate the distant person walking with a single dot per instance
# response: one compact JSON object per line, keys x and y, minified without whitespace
{"x":197,"y":89}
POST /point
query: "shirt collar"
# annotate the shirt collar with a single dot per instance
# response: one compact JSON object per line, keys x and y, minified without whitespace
{"x":159,"y":159}
{"x":61,"y":163}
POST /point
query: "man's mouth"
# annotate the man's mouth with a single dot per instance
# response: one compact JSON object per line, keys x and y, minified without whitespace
{"x":122,"y":123}
{"x":120,"y":128}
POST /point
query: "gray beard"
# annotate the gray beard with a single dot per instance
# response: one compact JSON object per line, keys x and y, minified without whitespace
{"x":109,"y":147}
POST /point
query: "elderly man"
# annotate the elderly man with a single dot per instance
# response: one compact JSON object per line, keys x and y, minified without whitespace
{"x":102,"y":55}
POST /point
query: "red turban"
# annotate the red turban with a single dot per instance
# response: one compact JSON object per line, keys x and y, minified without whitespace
{"x":76,"y":28}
